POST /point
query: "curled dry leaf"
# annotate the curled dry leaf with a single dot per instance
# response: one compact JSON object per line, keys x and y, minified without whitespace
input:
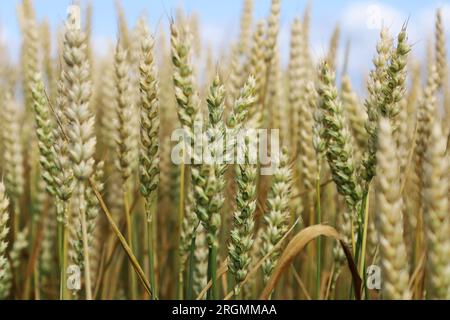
{"x":297,"y":244}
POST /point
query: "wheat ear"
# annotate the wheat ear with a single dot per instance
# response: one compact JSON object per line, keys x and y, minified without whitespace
{"x":5,"y":268}
{"x":436,"y":215}
{"x":337,"y":138}
{"x":389,"y":220}
{"x":80,"y":122}
{"x":277,"y":218}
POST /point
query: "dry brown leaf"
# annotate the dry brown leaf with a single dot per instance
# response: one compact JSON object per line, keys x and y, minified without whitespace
{"x":297,"y":244}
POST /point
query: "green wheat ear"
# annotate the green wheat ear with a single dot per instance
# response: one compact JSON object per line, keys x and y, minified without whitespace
{"x":276,"y":220}
{"x":338,"y":141}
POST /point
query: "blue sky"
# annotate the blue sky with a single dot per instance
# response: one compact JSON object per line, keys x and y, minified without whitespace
{"x":220,"y":20}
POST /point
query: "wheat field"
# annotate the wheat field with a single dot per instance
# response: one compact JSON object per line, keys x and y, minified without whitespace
{"x":101,"y":200}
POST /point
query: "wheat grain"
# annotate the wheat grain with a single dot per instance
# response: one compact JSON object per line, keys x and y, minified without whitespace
{"x":124,"y":108}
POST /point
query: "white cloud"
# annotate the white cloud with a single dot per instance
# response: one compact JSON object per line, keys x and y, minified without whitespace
{"x":425,"y":24}
{"x":103,"y":45}
{"x":360,"y":24}
{"x":371,"y":15}
{"x":4,"y":36}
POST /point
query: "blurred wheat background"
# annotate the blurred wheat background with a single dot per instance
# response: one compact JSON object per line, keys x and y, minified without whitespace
{"x":92,"y":205}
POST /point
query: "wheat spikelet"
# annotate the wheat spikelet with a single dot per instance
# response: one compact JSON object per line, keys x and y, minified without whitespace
{"x":208,"y":180}
{"x":201,"y":260}
{"x":388,"y":89}
{"x":5,"y":280}
{"x":389,"y":221}
{"x":80,"y":130}
{"x":47,"y":61}
{"x":275,"y":98}
{"x":402,"y":136}
{"x":426,"y":113}
{"x":332,"y":55}
{"x":123,"y":112}
{"x":183,"y":79}
{"x":63,"y":177}
{"x":273,"y":26}
{"x":236,"y":75}
{"x":436,"y":217}
{"x":124,"y":32}
{"x":246,"y":24}
{"x":241,"y":239}
{"x":80,"y":122}
{"x":108,"y":119}
{"x":337,"y":138}
{"x":30,"y":52}
{"x":306,"y":145}
{"x":295,"y":79}
{"x":257,"y":69}
{"x":19,"y":245}
{"x":441,"y":51}
{"x":395,"y":88}
{"x":356,"y":116}
{"x":45,"y":130}
{"x":375,"y":98}
{"x":149,"y":156}
{"x":13,"y":151}
{"x":276,"y":219}
{"x":88,"y":29}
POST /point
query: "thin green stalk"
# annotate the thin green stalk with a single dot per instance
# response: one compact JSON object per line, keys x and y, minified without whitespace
{"x":190,"y":283}
{"x":60,"y":237}
{"x":212,"y":273}
{"x":130,"y":243}
{"x":16,"y":217}
{"x":87,"y":266}
{"x":180,"y":221}
{"x":62,"y":252}
{"x":123,"y":241}
{"x":151,"y":249}
{"x":364,"y":245}
{"x":37,"y":284}
{"x":361,"y":230}
{"x":319,"y":239}
{"x":364,"y":239}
